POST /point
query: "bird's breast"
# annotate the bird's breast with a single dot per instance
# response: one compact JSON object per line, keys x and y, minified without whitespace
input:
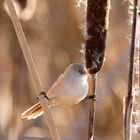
{"x":74,"y":92}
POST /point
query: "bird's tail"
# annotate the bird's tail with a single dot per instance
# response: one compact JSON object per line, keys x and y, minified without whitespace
{"x":33,"y":112}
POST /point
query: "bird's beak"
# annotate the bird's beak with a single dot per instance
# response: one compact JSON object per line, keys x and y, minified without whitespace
{"x":86,"y":72}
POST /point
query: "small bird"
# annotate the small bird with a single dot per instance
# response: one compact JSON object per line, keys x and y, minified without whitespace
{"x":69,"y":89}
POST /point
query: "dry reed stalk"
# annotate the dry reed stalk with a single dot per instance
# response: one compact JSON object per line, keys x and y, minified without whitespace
{"x":128,"y":104}
{"x":32,"y":68}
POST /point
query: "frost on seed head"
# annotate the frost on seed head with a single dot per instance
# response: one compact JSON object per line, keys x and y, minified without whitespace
{"x":81,"y":3}
{"x":83,"y":9}
{"x":84,"y":30}
{"x":82,"y":50}
{"x":84,"y":27}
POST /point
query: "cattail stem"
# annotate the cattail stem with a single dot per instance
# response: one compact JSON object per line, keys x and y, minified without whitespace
{"x":32,"y":68}
{"x":97,"y":25}
{"x":92,"y":107}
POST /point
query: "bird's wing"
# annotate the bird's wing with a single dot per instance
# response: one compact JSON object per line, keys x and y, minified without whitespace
{"x":56,"y":87}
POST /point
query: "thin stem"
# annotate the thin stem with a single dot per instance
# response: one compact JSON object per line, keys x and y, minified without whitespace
{"x":24,"y":46}
{"x":32,"y":68}
{"x":92,"y":108}
{"x":129,"y":98}
{"x":131,"y":65}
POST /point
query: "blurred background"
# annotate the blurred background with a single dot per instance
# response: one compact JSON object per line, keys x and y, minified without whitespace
{"x":55,"y":32}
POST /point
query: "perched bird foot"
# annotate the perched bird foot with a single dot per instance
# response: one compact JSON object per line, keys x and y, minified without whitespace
{"x":44,"y":95}
{"x":93,"y":97}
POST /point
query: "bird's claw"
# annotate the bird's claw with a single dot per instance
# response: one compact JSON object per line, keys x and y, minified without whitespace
{"x":93,"y":97}
{"x":44,"y":95}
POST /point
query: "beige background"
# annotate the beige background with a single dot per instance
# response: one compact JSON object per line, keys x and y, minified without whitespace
{"x":55,"y":33}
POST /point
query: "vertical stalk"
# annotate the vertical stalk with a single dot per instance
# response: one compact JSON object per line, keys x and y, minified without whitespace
{"x":129,"y":98}
{"x":97,"y":25}
{"x":32,"y":68}
{"x":92,"y":107}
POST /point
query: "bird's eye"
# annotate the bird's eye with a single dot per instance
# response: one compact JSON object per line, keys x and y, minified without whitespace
{"x":82,"y":71}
